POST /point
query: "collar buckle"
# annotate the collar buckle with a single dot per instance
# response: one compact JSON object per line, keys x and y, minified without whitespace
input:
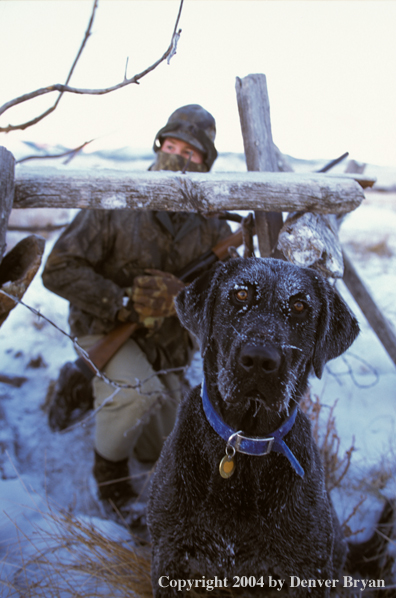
{"x":259,"y":446}
{"x":249,"y":445}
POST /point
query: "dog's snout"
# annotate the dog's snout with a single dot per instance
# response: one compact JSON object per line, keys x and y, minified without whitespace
{"x":260,"y":359}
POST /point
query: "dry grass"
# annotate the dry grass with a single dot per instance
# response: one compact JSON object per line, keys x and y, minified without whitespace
{"x":379,"y":475}
{"x":336,"y":466}
{"x":381,"y":248}
{"x":72,"y":558}
{"x":326,"y":437}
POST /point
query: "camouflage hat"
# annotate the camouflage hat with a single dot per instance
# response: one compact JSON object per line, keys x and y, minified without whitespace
{"x":194,"y":125}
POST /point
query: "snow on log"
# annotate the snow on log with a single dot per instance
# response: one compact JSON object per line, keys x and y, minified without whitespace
{"x":193,"y":192}
{"x":311,"y":240}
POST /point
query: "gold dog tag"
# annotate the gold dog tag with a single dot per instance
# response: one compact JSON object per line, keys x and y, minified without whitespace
{"x":227,"y":466}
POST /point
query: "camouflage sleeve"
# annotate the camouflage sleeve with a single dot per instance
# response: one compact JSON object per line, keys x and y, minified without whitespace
{"x":73,"y":267}
{"x":221,"y":230}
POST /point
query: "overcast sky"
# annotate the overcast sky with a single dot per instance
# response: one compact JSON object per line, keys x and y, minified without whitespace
{"x":330,"y":67}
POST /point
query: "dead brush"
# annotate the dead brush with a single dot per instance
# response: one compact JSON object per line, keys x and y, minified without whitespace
{"x":328,"y":441}
{"x":71,"y":557}
{"x":336,"y":466}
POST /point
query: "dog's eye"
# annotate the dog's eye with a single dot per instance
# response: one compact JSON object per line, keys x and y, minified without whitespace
{"x":242,"y":295}
{"x":298,"y":307}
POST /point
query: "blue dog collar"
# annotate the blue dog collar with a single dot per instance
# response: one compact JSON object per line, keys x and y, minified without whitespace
{"x":250,"y":445}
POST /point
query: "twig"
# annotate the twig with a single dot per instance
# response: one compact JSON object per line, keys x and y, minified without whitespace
{"x":351,"y":373}
{"x":175,"y":40}
{"x":126,"y":69}
{"x":72,"y":153}
{"x":64,"y":88}
{"x":345,"y":524}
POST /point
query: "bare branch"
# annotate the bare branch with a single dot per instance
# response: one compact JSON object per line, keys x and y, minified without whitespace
{"x":65,"y":88}
{"x":72,"y":153}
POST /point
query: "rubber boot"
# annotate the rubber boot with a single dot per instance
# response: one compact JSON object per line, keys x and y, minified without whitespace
{"x":112,"y":478}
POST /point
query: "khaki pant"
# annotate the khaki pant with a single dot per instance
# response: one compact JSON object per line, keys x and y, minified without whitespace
{"x":122,"y":423}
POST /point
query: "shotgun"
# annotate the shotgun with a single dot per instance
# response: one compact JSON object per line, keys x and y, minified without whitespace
{"x":73,"y":390}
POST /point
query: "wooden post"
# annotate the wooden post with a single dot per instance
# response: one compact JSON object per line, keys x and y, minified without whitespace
{"x":254,"y":114}
{"x":19,"y":266}
{"x":7,"y":168}
{"x":369,"y":308}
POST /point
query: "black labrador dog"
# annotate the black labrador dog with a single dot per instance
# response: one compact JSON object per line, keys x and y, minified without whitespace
{"x":238,"y":494}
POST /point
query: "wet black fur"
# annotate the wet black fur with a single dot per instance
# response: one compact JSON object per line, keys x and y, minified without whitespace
{"x":265,"y":519}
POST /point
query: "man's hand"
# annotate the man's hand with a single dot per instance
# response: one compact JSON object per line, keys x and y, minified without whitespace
{"x":127,"y":314}
{"x":153,"y":296}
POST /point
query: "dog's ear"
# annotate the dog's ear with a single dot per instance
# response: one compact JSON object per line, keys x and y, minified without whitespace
{"x":194,"y":305}
{"x":337,"y":327}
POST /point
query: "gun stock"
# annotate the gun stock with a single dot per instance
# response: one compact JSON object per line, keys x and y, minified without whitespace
{"x":103,"y":350}
{"x":234,"y":240}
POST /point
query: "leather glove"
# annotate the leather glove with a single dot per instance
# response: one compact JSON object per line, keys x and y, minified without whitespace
{"x":153,"y":296}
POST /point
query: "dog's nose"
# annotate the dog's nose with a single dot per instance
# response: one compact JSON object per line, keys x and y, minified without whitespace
{"x":260,"y":359}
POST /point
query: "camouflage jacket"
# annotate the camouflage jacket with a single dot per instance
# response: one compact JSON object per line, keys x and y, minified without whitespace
{"x":101,"y":252}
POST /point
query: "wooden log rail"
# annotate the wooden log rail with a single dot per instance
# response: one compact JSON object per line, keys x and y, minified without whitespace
{"x":193,"y":192}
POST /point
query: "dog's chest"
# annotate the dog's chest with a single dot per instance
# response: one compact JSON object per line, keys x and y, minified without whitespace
{"x":247,"y":504}
{"x":233,"y":536}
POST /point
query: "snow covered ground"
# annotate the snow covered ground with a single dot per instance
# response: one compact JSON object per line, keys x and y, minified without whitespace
{"x":40,"y":470}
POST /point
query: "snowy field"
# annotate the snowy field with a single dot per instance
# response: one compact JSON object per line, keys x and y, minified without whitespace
{"x":42,"y":472}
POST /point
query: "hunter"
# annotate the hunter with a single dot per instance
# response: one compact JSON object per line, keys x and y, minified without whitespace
{"x":119,"y":265}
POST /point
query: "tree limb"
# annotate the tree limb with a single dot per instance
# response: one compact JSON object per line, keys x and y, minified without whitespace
{"x":65,"y":88}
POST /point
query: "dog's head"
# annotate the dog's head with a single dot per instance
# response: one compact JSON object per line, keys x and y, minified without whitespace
{"x":264,"y":324}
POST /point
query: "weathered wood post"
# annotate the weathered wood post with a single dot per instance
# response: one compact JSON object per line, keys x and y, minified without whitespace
{"x":254,"y":114}
{"x":7,"y":170}
{"x":19,"y":266}
{"x":373,"y":314}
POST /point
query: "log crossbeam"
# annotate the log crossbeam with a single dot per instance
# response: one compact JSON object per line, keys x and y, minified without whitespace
{"x":194,"y":192}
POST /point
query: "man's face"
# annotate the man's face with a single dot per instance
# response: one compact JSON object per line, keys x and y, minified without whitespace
{"x":177,"y":146}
